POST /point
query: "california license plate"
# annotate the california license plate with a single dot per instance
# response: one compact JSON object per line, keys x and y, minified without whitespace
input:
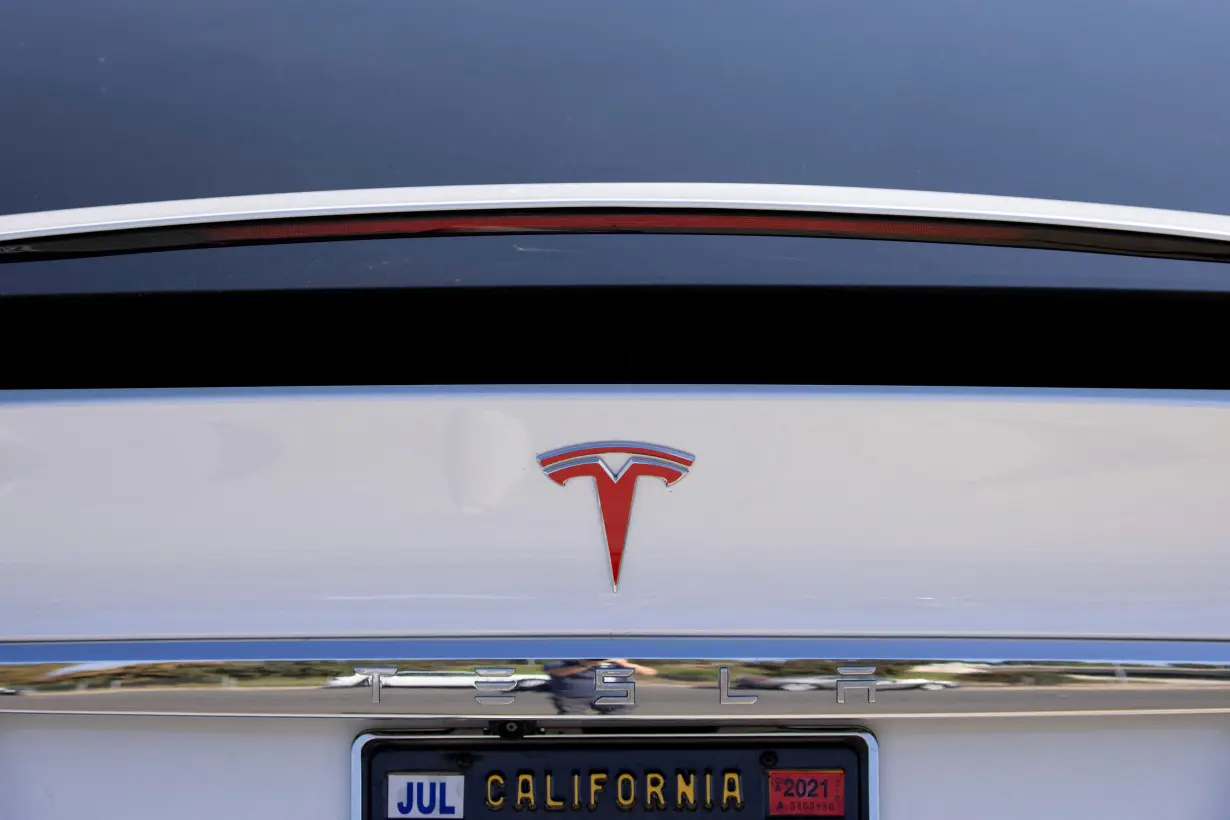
{"x":759,"y":777}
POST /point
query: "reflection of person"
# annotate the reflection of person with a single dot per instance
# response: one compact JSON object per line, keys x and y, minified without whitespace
{"x":574,"y":684}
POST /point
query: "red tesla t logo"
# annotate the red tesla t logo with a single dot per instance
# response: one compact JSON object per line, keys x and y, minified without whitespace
{"x":615,"y":490}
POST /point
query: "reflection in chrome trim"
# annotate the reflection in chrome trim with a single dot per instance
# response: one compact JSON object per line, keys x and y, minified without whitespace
{"x":760,"y":679}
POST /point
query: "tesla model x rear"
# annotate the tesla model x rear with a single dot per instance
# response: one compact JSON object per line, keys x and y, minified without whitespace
{"x":747,"y":410}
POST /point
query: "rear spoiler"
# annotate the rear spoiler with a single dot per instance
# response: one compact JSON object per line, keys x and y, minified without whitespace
{"x":653,"y":208}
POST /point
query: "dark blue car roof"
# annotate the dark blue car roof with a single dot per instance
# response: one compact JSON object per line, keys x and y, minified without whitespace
{"x":111,"y":101}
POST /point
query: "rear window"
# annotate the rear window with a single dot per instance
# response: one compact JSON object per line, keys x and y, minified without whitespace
{"x":562,"y":260}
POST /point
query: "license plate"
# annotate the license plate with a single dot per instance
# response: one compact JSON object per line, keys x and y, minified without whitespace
{"x":758,"y":777}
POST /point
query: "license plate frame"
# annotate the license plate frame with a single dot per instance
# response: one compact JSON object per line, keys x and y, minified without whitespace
{"x":376,"y":755}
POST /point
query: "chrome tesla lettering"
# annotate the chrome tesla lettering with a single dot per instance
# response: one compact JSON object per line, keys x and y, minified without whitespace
{"x":375,"y":675}
{"x":854,"y":678}
{"x":495,"y":679}
{"x":619,"y":692}
{"x":727,"y":699}
{"x":615,"y":490}
{"x":616,"y":687}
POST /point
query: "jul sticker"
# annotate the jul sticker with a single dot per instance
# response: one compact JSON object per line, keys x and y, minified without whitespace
{"x":426,"y":794}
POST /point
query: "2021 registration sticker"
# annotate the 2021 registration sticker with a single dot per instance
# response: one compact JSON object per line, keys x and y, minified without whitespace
{"x":807,"y":793}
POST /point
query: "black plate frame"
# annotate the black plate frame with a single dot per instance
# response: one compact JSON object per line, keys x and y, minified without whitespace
{"x":869,"y":752}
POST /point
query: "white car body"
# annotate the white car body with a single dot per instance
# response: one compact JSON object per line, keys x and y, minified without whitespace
{"x":226,"y":487}
{"x":216,"y":553}
{"x":192,"y":535}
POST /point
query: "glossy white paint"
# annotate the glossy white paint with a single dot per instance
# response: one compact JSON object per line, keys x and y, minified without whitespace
{"x":554,"y":195}
{"x":64,"y":768}
{"x":420,"y":511}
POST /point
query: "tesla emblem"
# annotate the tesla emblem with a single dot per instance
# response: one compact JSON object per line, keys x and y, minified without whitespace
{"x":615,"y":489}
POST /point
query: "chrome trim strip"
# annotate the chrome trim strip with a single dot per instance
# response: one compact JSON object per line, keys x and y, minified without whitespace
{"x":690,"y":195}
{"x":980,"y":649}
{"x":362,"y":741}
{"x":733,"y":679}
{"x":873,"y":774}
{"x":1098,"y":395}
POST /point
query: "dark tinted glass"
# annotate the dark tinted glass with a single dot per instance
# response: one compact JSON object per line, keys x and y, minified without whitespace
{"x":604,"y":260}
